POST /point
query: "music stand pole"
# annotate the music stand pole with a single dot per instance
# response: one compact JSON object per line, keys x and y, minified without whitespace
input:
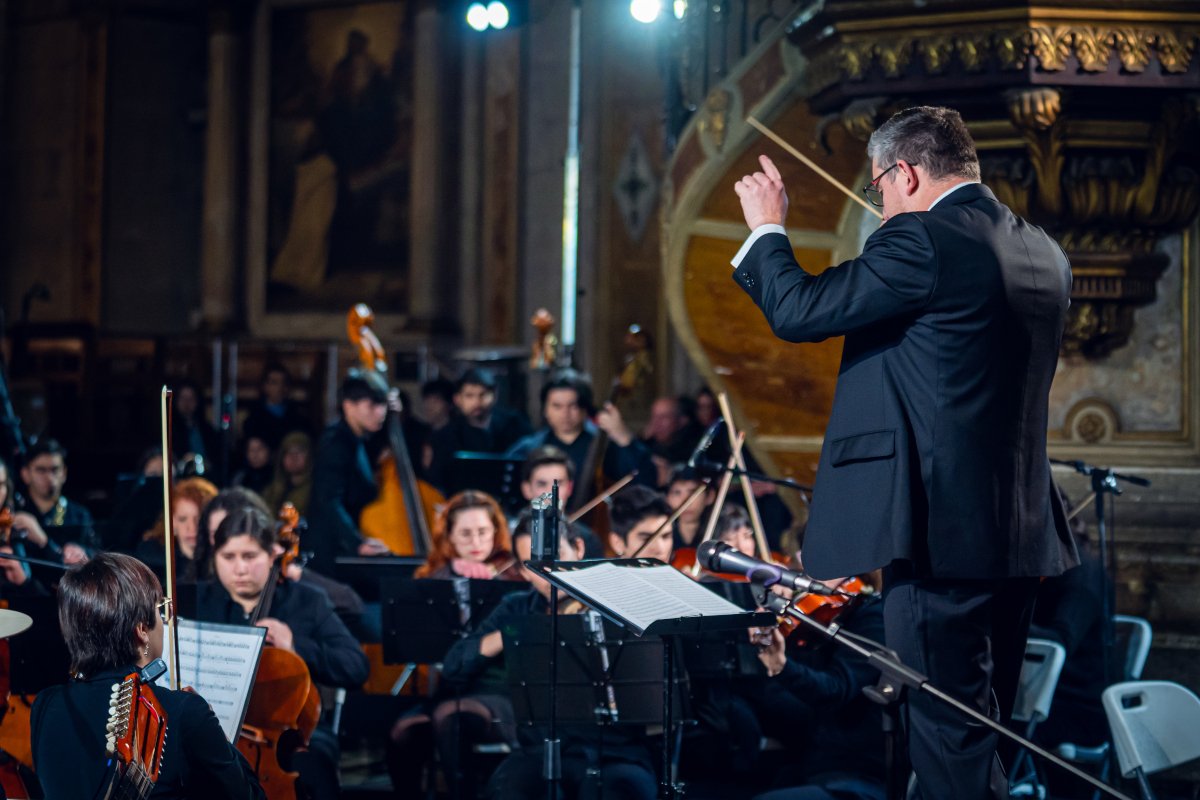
{"x":545,"y":540}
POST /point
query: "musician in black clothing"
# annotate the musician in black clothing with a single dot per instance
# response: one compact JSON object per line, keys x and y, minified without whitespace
{"x":109,"y":611}
{"x":343,"y":477}
{"x":542,"y":468}
{"x":476,"y":424}
{"x":566,"y":405}
{"x":301,"y":621}
{"x":54,"y":528}
{"x":813,"y":703}
{"x":275,"y":415}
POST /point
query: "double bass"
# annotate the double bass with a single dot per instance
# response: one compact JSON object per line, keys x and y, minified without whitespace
{"x":285,"y":705}
{"x":400,"y":516}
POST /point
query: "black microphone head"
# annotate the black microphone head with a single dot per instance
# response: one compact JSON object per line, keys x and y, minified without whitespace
{"x":708,"y":552}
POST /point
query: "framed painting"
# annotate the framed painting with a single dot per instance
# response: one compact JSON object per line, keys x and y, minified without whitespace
{"x":331,"y":150}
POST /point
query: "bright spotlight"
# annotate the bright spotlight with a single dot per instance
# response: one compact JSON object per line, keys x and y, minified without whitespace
{"x":680,"y":8}
{"x":645,"y":10}
{"x":497,"y":14}
{"x":477,"y":17}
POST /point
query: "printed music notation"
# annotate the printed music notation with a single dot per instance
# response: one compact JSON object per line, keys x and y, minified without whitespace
{"x":219,"y":662}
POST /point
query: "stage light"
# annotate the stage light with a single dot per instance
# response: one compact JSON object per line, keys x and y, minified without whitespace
{"x":497,"y":14}
{"x":477,"y":17}
{"x":680,"y":8}
{"x":645,"y":10}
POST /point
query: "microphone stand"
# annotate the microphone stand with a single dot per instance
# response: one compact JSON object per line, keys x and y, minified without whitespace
{"x":1104,"y":482}
{"x":713,"y":467}
{"x":895,"y":676}
{"x":546,"y":521}
{"x":39,"y":561}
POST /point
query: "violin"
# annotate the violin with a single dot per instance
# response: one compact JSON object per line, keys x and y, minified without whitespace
{"x":825,"y":609}
{"x":284,"y":704}
{"x":400,"y":516}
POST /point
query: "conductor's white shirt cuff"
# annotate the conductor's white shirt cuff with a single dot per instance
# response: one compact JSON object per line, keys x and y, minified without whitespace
{"x":755,"y":235}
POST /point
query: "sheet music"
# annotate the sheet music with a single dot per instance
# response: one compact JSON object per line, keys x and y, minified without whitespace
{"x":655,"y":596}
{"x":219,"y":662}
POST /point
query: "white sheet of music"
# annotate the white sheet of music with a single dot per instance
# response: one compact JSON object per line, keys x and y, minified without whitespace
{"x":643,"y":595}
{"x":219,"y":662}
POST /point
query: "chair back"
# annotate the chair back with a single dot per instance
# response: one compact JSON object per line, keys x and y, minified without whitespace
{"x":1039,"y":676}
{"x":1133,"y":637}
{"x":1154,"y":724}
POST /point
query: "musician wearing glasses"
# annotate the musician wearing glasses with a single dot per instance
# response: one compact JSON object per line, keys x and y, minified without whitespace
{"x":934,"y":460}
{"x":110,"y":610}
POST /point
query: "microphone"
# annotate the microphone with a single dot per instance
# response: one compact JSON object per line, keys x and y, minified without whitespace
{"x":720,"y":557}
{"x":705,"y":442}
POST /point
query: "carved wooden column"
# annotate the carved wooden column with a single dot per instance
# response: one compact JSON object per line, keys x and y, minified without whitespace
{"x":426,"y":220}
{"x":218,"y":243}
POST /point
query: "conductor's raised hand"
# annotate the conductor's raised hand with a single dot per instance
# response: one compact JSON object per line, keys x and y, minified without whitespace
{"x":764,"y":200}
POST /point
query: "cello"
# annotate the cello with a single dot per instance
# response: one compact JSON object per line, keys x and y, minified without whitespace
{"x":285,"y":705}
{"x":400,"y":516}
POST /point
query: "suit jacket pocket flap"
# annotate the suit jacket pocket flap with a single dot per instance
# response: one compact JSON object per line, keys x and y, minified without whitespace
{"x":861,"y":446}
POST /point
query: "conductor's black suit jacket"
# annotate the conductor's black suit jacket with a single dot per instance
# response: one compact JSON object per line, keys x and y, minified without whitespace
{"x":935,"y":451}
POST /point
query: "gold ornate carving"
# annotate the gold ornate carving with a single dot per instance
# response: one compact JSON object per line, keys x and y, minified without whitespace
{"x":1036,"y":114}
{"x":1092,"y":420}
{"x":1052,"y":45}
{"x":716,"y":108}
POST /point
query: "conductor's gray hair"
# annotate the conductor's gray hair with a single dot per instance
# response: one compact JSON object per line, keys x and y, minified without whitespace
{"x":933,"y":137}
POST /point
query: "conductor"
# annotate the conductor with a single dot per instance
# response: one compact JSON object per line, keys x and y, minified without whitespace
{"x":934,"y":461}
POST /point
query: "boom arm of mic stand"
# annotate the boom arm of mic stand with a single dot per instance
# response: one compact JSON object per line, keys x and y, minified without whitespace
{"x":886,"y":662}
{"x":787,"y":483}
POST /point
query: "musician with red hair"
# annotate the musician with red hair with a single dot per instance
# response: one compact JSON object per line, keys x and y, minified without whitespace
{"x":470,"y":540}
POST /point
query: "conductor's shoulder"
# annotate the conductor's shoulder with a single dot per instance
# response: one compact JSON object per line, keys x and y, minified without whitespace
{"x":904,"y":233}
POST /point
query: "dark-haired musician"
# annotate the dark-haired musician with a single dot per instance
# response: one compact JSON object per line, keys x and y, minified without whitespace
{"x":301,"y":621}
{"x":109,"y":612}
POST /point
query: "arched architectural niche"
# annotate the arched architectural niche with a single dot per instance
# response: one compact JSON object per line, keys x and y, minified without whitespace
{"x":781,"y":393}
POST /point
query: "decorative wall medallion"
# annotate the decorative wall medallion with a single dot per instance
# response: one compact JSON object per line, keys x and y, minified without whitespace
{"x":635,"y":187}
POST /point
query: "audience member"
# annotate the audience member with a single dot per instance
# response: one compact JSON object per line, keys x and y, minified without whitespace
{"x":257,"y":471}
{"x":470,"y":540}
{"x":708,"y":410}
{"x":64,"y":529}
{"x":545,"y":465}
{"x":670,"y":435}
{"x":566,"y":403}
{"x":191,"y":434}
{"x":476,"y":424}
{"x":275,"y":415}
{"x":292,"y":481}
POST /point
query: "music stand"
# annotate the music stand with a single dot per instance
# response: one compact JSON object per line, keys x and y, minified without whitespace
{"x":493,"y":473}
{"x":366,"y":573}
{"x":616,"y":590}
{"x":422,"y":619}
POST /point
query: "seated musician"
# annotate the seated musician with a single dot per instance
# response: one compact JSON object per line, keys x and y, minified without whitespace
{"x":109,"y":611}
{"x":813,"y":704}
{"x":566,"y":405}
{"x":188,"y":498}
{"x":470,"y":540}
{"x":18,"y":579}
{"x":637,"y":514}
{"x":49,"y":514}
{"x":346,"y":602}
{"x":545,"y":465}
{"x":682,"y":484}
{"x":476,"y":424}
{"x":734,"y":529}
{"x":343,"y":478}
{"x":301,"y":621}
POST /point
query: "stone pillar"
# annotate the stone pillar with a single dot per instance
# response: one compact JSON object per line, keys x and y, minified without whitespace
{"x":218,"y":245}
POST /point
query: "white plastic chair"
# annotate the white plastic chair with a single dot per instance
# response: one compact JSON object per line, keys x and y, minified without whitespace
{"x":1137,"y":635}
{"x":1039,"y":676}
{"x":1155,"y":725}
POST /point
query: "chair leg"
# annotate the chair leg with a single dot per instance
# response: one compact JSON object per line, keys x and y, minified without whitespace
{"x":1143,"y":784}
{"x":1103,"y":772}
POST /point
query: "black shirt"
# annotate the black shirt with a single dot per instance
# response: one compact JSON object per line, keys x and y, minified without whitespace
{"x":343,"y":483}
{"x":69,"y":752}
{"x":618,"y":461}
{"x":264,"y":423}
{"x":505,"y":429}
{"x":333,"y":655}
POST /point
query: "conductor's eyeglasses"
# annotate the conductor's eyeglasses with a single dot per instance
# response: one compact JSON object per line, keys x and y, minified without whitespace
{"x":871,"y":190}
{"x":163,"y":609}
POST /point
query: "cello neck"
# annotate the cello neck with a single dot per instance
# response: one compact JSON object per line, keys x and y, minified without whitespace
{"x":422,"y":539}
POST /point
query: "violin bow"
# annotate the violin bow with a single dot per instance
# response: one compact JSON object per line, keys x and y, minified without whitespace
{"x":172,"y":630}
{"x":671,"y":519}
{"x":715,"y":514}
{"x":808,"y":162}
{"x":760,"y":538}
{"x":600,"y":498}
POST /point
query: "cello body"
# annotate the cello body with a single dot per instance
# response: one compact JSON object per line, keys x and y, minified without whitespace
{"x":283,"y":712}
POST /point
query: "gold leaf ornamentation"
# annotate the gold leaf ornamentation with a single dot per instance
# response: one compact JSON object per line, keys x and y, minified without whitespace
{"x":1173,"y":51}
{"x":1051,"y":46}
{"x":894,"y":55}
{"x":1012,"y":48}
{"x":937,"y":52}
{"x":1133,"y":46}
{"x":1092,"y":47}
{"x":973,"y":51}
{"x":855,"y":59}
